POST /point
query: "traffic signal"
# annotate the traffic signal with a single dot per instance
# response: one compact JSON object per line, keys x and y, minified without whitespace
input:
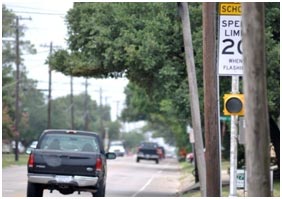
{"x":233,"y":104}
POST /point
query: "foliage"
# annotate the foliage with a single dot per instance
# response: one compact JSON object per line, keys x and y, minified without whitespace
{"x":144,"y":41}
{"x":114,"y":130}
{"x":132,"y":139}
{"x":33,"y":104}
{"x":8,"y":73}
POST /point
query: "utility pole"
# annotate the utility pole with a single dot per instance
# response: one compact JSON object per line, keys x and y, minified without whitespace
{"x":49,"y":111}
{"x":256,"y":108}
{"x":86,"y":111}
{"x":210,"y":101}
{"x":72,"y":105}
{"x":117,"y":109}
{"x":50,"y":90}
{"x":194,"y":97}
{"x":101,"y":96}
{"x":17,"y":89}
{"x":17,"y":118}
{"x":101,"y":111}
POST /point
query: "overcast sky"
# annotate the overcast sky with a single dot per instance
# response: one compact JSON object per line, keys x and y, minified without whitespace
{"x":47,"y":25}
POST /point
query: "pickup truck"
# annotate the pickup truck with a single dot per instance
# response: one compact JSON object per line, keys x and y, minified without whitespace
{"x":148,"y":151}
{"x":68,"y":161}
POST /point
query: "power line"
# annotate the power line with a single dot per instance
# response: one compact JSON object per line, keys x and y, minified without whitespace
{"x":39,"y":13}
{"x":30,"y":8}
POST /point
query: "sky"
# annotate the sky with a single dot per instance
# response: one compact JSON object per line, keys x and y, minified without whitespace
{"x":48,"y":25}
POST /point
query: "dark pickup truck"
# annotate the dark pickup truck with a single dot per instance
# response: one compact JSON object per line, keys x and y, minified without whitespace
{"x":68,"y":161}
{"x":148,"y":151}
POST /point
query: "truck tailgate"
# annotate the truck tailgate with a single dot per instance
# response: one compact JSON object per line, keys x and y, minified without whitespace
{"x":64,"y":163}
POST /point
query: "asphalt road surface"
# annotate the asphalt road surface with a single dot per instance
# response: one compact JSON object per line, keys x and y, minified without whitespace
{"x":126,"y":178}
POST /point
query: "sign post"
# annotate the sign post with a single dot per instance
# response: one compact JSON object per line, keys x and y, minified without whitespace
{"x":230,"y":63}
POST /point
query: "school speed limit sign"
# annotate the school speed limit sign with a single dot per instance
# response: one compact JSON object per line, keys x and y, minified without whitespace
{"x":230,"y":55}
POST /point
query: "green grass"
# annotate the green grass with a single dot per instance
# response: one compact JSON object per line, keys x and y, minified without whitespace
{"x":197,"y":193}
{"x":276,"y":188}
{"x":188,"y":168}
{"x":9,"y":160}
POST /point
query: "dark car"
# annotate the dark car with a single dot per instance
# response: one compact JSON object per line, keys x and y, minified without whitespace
{"x":68,"y":161}
{"x":148,"y":151}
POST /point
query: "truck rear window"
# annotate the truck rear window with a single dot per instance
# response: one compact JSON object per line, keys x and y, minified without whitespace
{"x":70,"y":142}
{"x":149,"y":145}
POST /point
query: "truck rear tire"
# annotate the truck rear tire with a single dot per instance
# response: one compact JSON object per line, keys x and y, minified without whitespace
{"x":101,"y":192}
{"x":137,"y":160}
{"x":34,"y":190}
{"x":157,"y":161}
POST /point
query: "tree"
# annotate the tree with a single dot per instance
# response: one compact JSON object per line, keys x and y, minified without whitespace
{"x":8,"y":73}
{"x":132,"y":140}
{"x":143,"y":41}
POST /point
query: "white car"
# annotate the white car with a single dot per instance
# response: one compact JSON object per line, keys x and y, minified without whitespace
{"x":117,"y":148}
{"x":21,"y":147}
{"x":31,"y":146}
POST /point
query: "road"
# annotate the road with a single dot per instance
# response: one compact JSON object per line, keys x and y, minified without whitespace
{"x":126,"y":178}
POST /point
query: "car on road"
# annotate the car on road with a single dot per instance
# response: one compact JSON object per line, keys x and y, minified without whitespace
{"x":148,"y":151}
{"x":31,"y":147}
{"x":21,"y":148}
{"x":190,"y":157}
{"x":68,"y":161}
{"x":117,"y":147}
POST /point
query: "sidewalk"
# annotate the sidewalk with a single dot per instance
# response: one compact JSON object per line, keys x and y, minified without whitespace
{"x":188,"y":183}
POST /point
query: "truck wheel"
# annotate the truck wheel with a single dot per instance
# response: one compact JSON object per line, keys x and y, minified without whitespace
{"x":34,"y":190}
{"x":157,"y":161}
{"x":101,"y":192}
{"x":137,"y":160}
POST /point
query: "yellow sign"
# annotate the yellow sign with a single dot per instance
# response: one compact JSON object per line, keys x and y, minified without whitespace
{"x":229,"y":8}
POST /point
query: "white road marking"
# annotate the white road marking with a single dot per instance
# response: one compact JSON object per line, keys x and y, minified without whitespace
{"x":147,"y":183}
{"x":8,"y":190}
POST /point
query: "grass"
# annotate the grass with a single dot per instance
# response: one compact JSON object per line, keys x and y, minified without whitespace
{"x":9,"y":160}
{"x":276,"y":188}
{"x":188,"y":168}
{"x":196,"y":193}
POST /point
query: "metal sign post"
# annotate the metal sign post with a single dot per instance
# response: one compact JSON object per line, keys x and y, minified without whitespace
{"x":230,"y":63}
{"x":233,"y":143}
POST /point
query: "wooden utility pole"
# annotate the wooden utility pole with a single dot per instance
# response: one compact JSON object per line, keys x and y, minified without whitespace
{"x":72,"y":105}
{"x":17,"y":89}
{"x":256,"y":109}
{"x":86,"y":111}
{"x":210,"y":101}
{"x":49,"y":110}
{"x":50,"y":90}
{"x":194,"y":97}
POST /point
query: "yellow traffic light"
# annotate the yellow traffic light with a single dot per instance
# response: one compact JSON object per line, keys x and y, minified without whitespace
{"x":233,"y":104}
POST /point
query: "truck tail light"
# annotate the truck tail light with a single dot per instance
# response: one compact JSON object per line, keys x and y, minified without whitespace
{"x":159,"y":151}
{"x":31,"y":160}
{"x":99,"y":164}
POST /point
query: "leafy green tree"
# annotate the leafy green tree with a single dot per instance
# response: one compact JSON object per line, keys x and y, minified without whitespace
{"x":132,"y":140}
{"x":8,"y":73}
{"x":144,"y":42}
{"x":114,"y":130}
